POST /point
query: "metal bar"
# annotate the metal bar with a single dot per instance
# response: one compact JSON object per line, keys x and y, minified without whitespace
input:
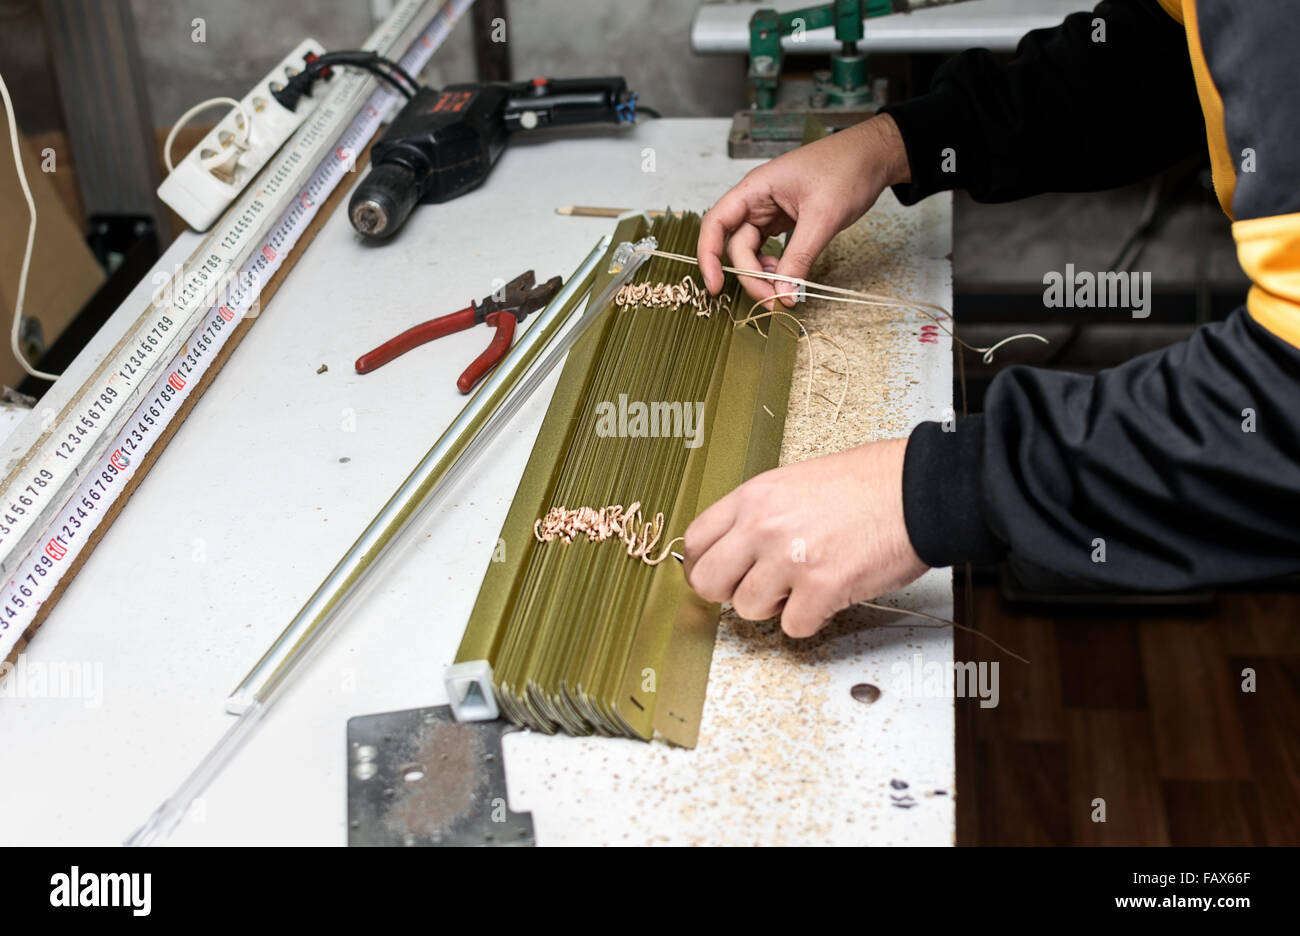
{"x":476,"y":423}
{"x":491,"y":41}
{"x":96,"y":62}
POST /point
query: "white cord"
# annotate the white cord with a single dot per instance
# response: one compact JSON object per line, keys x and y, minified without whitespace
{"x":31,"y":239}
{"x":241,"y":141}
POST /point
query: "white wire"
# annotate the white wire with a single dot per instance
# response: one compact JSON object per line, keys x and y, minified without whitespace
{"x":31,"y":238}
{"x":186,"y":117}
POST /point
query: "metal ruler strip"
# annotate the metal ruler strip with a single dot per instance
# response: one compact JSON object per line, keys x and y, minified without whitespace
{"x":57,"y":543}
{"x":44,"y":479}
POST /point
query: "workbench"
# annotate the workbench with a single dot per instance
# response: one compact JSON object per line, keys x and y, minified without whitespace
{"x":281,"y":465}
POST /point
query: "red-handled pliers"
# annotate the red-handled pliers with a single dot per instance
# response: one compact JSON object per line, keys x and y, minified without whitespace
{"x":502,"y":310}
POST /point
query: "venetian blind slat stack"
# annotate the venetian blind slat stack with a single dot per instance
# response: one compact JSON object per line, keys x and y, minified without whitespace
{"x":658,"y":405}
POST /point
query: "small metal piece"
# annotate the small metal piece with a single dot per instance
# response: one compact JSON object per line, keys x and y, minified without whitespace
{"x":419,"y":778}
{"x":865,"y":693}
{"x":624,"y":252}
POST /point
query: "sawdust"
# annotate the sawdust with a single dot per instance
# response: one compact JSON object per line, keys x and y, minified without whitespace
{"x":871,"y":256}
{"x":769,"y":692}
{"x":450,"y":756}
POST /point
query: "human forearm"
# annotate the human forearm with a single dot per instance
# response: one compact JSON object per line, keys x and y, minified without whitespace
{"x":1174,"y":470}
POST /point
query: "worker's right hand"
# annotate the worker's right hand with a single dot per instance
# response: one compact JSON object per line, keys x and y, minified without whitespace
{"x":816,"y":191}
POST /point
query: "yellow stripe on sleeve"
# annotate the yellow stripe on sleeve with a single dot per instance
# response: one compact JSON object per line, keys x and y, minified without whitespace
{"x":1269,"y":251}
{"x":1174,"y":8}
{"x":1221,"y":163}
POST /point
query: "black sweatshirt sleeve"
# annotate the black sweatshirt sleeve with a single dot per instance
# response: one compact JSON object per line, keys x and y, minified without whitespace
{"x":1072,"y":112}
{"x":1176,"y":469}
{"x":1181,"y":467}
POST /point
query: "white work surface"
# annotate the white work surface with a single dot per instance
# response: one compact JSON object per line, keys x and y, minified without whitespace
{"x":279,"y":468}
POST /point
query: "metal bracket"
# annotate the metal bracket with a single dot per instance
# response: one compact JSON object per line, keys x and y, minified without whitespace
{"x":418,"y":777}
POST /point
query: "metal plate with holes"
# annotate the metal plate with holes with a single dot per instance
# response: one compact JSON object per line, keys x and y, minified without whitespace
{"x":419,"y":777}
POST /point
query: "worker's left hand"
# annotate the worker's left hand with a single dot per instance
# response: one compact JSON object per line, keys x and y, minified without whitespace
{"x":808,"y":539}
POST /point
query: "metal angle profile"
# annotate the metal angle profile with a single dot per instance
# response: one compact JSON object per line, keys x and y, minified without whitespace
{"x":486,"y":413}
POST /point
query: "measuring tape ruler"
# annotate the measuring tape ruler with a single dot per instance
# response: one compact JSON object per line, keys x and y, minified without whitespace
{"x":160,"y":385}
{"x":44,"y":479}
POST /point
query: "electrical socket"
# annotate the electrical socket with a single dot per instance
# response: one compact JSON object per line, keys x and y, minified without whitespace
{"x":200,"y":195}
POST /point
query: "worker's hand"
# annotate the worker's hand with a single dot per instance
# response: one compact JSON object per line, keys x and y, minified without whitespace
{"x":817,"y":191}
{"x":808,"y":539}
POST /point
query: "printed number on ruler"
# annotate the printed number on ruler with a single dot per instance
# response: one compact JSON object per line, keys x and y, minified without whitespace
{"x":33,"y":581}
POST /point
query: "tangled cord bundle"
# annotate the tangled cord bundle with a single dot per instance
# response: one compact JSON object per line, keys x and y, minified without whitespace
{"x":674,"y":295}
{"x":639,"y":535}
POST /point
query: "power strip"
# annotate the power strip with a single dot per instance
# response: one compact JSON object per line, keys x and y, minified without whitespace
{"x":200,"y":195}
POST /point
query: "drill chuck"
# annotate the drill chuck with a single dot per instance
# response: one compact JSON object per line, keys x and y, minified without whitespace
{"x":383,"y":200}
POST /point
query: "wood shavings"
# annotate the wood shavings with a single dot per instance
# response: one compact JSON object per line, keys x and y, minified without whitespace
{"x":639,"y":535}
{"x":772,"y":693}
{"x":804,"y":334}
{"x":873,"y":255}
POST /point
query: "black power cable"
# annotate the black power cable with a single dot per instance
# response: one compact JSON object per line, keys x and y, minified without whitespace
{"x":371,"y":61}
{"x":318,"y":66}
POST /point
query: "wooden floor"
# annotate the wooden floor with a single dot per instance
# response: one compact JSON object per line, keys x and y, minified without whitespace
{"x":1146,"y":713}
